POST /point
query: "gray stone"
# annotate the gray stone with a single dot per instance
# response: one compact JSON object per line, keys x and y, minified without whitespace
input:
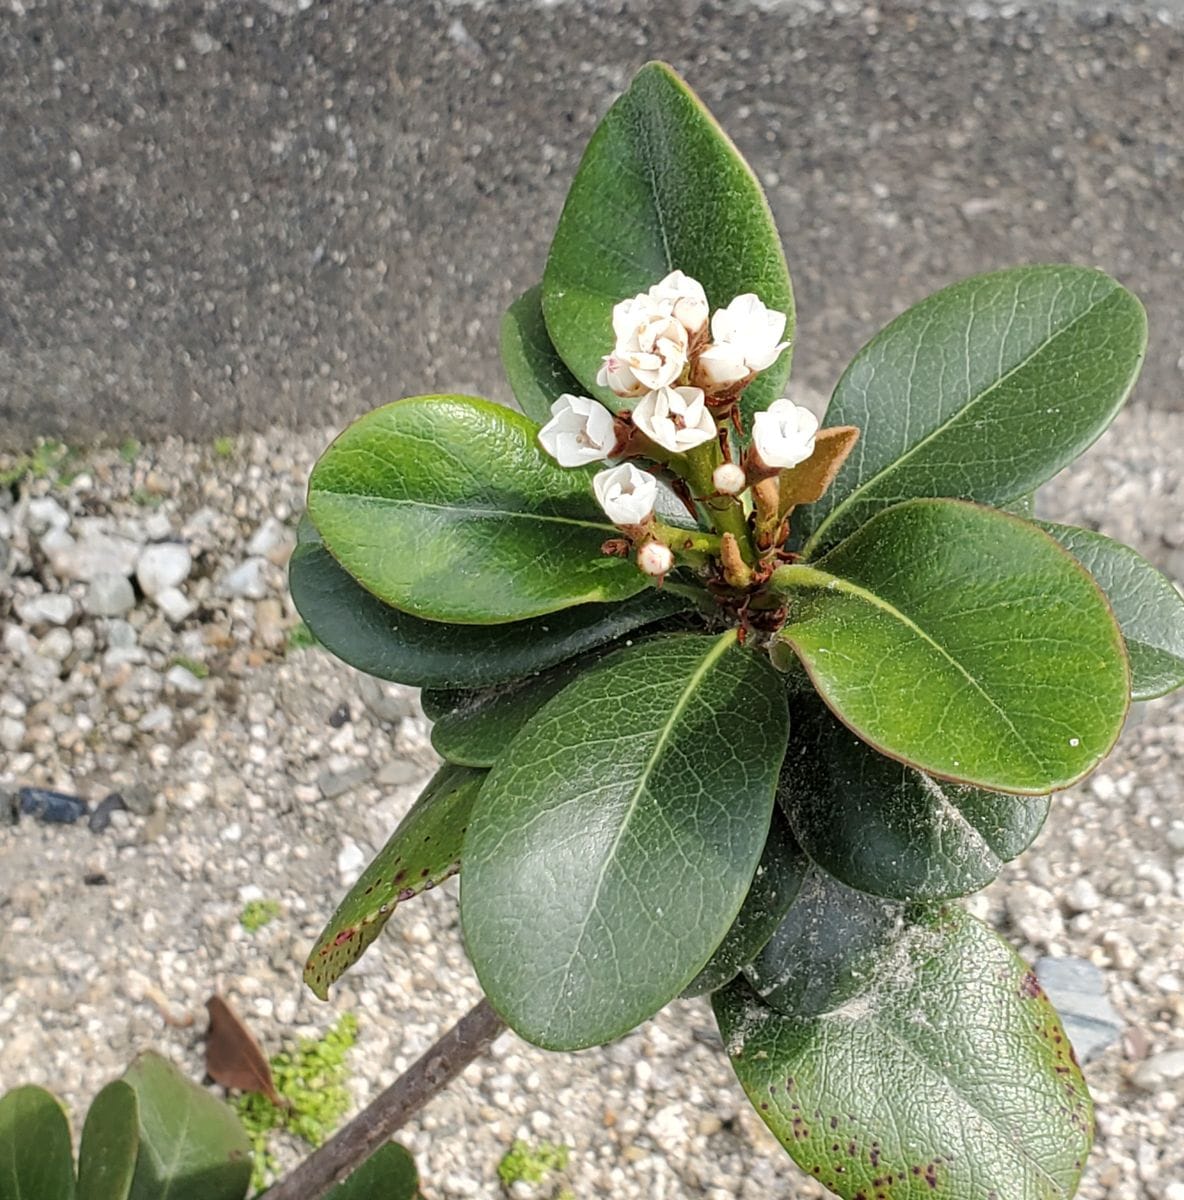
{"x":397,"y":772}
{"x":94,"y":553}
{"x":1155,"y":1073}
{"x":351,"y":858}
{"x":121,"y":635}
{"x":336,"y":783}
{"x":1081,"y":896}
{"x":12,"y":733}
{"x":162,"y":566}
{"x":109,"y":596}
{"x":184,"y":681}
{"x":267,"y":537}
{"x":139,"y":798}
{"x":57,"y":645}
{"x":383,"y":190}
{"x":247,"y":580}
{"x":1077,"y":990}
{"x":49,"y":608}
{"x":45,"y":513}
{"x":389,"y":702}
{"x":175,"y":605}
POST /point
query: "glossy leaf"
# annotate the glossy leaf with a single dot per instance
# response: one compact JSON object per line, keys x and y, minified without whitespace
{"x":660,"y":187}
{"x":110,"y":1144}
{"x":953,"y":1079}
{"x":965,"y":642}
{"x":608,"y":856}
{"x":192,"y":1146}
{"x":827,"y":949}
{"x":889,"y":829}
{"x":1149,"y":610}
{"x":537,"y":375}
{"x":382,"y":641}
{"x":982,"y":391}
{"x":36,"y":1157}
{"x":447,"y":507}
{"x":777,"y":881}
{"x":388,"y":1174}
{"x":422,"y":852}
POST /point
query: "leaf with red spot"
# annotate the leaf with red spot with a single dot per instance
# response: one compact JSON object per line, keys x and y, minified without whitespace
{"x":423,"y":851}
{"x":949,"y":1076}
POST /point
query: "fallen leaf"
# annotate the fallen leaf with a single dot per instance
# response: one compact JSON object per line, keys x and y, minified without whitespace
{"x":233,"y":1057}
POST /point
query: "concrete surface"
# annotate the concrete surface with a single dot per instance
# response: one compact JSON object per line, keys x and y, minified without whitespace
{"x":226,"y":215}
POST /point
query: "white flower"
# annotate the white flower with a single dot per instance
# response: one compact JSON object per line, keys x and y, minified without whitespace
{"x":580,"y":431}
{"x":719,"y":366}
{"x":752,"y":331}
{"x":729,"y":479}
{"x":686,"y":297}
{"x":676,"y":418}
{"x":626,"y":494}
{"x":651,"y":349}
{"x":783,"y":435}
{"x":655,"y":559}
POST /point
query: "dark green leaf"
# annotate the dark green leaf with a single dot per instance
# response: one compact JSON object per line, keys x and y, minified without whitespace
{"x":774,"y":886}
{"x":448,"y":508}
{"x":362,"y":631}
{"x":965,"y":642}
{"x":660,"y":187}
{"x":889,"y":829}
{"x":110,"y":1144}
{"x":608,"y":856}
{"x":827,"y":949}
{"x":422,"y":852}
{"x":36,"y":1157}
{"x":1149,"y":610}
{"x":536,"y":373}
{"x":982,"y":391}
{"x":952,"y":1079}
{"x":388,"y":1174}
{"x":192,"y":1146}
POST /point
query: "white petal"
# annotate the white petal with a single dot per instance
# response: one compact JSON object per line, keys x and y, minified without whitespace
{"x":626,"y":494}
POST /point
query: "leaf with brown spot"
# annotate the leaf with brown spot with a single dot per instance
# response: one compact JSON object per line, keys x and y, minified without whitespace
{"x":233,"y":1057}
{"x":809,"y":480}
{"x":422,"y":852}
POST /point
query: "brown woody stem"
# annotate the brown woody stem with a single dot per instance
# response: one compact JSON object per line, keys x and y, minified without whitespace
{"x":466,"y":1041}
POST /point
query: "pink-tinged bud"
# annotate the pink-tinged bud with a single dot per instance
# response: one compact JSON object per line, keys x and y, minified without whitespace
{"x":729,"y":479}
{"x":655,"y":559}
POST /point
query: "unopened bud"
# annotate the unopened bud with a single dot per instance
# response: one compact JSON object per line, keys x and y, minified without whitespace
{"x":655,"y":559}
{"x":729,"y":479}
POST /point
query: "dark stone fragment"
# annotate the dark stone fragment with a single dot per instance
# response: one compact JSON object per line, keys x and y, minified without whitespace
{"x":95,"y":879}
{"x":51,"y":808}
{"x":101,"y":817}
{"x":339,"y":715}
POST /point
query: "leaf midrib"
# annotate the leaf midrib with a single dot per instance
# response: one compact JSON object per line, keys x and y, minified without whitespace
{"x":887,"y":470}
{"x":713,"y":653}
{"x":813,"y":577}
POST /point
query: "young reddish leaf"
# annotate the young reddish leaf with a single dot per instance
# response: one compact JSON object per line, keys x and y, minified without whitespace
{"x":233,"y":1057}
{"x":808,"y":481}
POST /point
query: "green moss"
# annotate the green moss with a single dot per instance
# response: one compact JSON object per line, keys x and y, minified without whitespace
{"x":49,"y":459}
{"x":521,"y":1164}
{"x":300,"y":637}
{"x":129,"y":450}
{"x":224,"y":447}
{"x":258,"y":913}
{"x":146,"y":499}
{"x":312,"y":1080}
{"x":198,"y":670}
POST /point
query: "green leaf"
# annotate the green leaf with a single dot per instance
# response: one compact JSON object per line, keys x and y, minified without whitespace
{"x":192,"y":1146}
{"x":537,"y":375}
{"x":382,"y":641}
{"x":608,"y":856}
{"x":964,"y":642}
{"x":952,"y":1080}
{"x":36,"y":1157}
{"x":1149,"y":610}
{"x":660,"y":187}
{"x":982,"y":392}
{"x":388,"y":1174}
{"x":889,"y":829}
{"x":778,"y":878}
{"x":827,"y":949}
{"x":110,"y":1144}
{"x":423,"y":851}
{"x":448,"y":508}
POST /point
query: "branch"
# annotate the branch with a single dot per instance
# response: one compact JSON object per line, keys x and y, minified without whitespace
{"x":467,"y":1040}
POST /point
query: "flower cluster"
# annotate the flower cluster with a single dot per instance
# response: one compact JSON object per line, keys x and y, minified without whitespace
{"x":684,"y":367}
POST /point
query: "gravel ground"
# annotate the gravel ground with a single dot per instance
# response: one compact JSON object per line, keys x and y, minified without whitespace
{"x":240,"y":786}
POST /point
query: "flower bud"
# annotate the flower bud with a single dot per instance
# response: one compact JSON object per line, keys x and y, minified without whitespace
{"x":783,"y":435}
{"x":720,"y":367}
{"x":729,"y":479}
{"x":686,"y":297}
{"x":626,"y":494}
{"x":752,"y":331}
{"x":675,"y":418}
{"x":655,"y":559}
{"x":651,"y":350}
{"x":580,"y":431}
